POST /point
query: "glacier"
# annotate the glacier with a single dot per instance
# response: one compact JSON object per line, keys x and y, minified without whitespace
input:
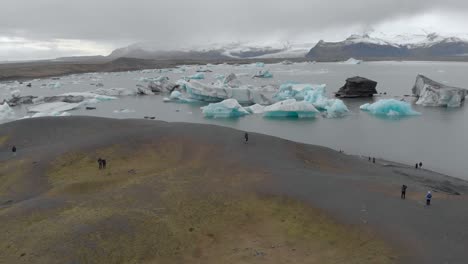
{"x":291,"y":108}
{"x":225,"y":109}
{"x":432,"y":93}
{"x":390,"y":108}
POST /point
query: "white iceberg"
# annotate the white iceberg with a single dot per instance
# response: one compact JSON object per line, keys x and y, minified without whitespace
{"x":291,"y":108}
{"x":114,"y":91}
{"x":54,"y":114}
{"x":6,"y":112}
{"x":260,"y":64}
{"x":299,"y":91}
{"x":255,"y":109}
{"x":390,"y":108}
{"x":54,"y":85}
{"x":57,"y":107}
{"x":432,"y":93}
{"x":225,"y":109}
{"x":15,"y":94}
{"x":244,"y":94}
{"x":352,"y":61}
{"x":178,"y":97}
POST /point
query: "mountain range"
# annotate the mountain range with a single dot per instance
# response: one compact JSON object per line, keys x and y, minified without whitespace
{"x":402,"y":47}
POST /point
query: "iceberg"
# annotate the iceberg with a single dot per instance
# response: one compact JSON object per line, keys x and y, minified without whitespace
{"x":91,"y":97}
{"x":390,"y":108}
{"x":291,"y":108}
{"x":57,"y":107}
{"x":432,"y":93}
{"x":54,"y":85}
{"x":298,"y":91}
{"x":114,"y":92}
{"x":197,"y":76}
{"x":336,"y":108}
{"x":47,"y":114}
{"x":203,"y":69}
{"x":178,"y":97}
{"x":15,"y":94}
{"x":6,"y":112}
{"x":225,"y":109}
{"x":352,"y":61}
{"x":263,"y":74}
{"x":255,"y":109}
{"x":244,"y":94}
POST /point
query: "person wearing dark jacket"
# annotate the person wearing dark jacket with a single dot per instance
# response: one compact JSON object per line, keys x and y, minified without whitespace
{"x":104,"y":163}
{"x":246,"y":136}
{"x":100,"y":163}
{"x":403,"y":191}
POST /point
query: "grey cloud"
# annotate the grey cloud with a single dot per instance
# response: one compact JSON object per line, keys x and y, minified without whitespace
{"x":189,"y":21}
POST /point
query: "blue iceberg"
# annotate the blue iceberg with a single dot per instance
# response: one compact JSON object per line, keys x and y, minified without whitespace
{"x":226,"y":109}
{"x":389,"y":107}
{"x":291,"y":108}
{"x":336,"y":108}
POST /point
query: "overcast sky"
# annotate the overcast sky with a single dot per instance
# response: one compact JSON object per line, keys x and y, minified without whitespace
{"x":34,"y":29}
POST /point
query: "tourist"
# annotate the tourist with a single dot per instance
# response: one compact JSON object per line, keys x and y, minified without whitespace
{"x":403,"y":191}
{"x":104,"y":163}
{"x":420,"y":165}
{"x":428,"y":198}
{"x":13,"y":149}
{"x":246,"y":136}
{"x":416,"y":166}
{"x":100,"y":163}
{"x":373,"y":160}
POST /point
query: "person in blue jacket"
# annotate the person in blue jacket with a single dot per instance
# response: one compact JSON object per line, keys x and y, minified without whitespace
{"x":428,"y":198}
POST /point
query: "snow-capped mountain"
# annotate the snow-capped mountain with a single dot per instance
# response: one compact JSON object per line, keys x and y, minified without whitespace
{"x":236,"y":50}
{"x":378,"y":46}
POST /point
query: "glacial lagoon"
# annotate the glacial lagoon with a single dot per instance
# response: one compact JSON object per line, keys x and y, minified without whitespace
{"x":436,"y":137}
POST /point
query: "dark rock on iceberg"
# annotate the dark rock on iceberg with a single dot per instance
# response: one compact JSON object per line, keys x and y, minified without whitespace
{"x":357,"y":87}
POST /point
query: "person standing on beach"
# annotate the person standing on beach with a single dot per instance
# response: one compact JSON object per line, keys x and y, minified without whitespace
{"x":416,"y":166}
{"x":428,"y":198}
{"x":104,"y":163}
{"x":13,"y":149}
{"x":403,"y":191}
{"x":373,"y":160}
{"x":420,"y":165}
{"x":100,"y":163}
{"x":246,"y":136}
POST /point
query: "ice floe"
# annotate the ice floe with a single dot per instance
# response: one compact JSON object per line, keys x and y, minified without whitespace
{"x":432,"y":93}
{"x":291,"y":108}
{"x":390,"y":108}
{"x":225,"y":109}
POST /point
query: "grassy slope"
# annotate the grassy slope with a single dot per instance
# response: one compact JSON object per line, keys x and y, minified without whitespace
{"x":169,"y":202}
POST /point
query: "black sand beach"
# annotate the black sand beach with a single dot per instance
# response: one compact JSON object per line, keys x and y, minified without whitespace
{"x":187,"y":193}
